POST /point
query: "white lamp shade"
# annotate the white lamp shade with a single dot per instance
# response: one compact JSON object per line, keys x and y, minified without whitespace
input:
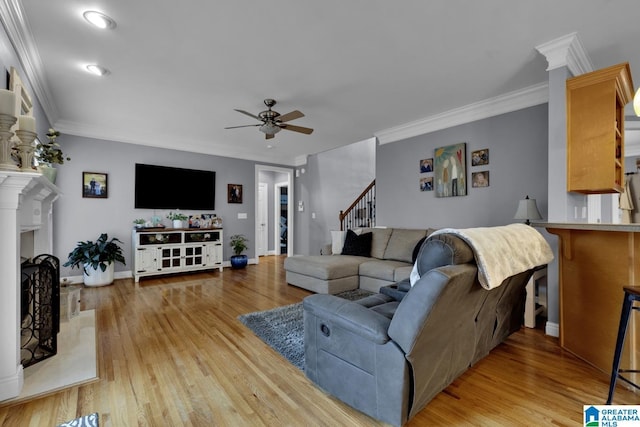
{"x":527,"y":209}
{"x":636,"y":103}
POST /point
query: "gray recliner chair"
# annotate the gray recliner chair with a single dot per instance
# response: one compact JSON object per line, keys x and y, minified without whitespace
{"x":388,"y":356}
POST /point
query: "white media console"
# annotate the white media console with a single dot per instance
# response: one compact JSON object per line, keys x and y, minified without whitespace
{"x":175,"y":250}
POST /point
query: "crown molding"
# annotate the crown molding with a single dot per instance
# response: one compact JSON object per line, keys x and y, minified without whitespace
{"x":512,"y":101}
{"x":566,"y":51}
{"x":15,"y":24}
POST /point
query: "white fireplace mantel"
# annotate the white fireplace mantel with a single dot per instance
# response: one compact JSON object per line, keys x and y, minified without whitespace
{"x":26,"y":201}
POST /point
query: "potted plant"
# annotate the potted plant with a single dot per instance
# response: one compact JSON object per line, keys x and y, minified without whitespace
{"x":97,"y":259}
{"x":139,"y":223}
{"x":239,"y":244}
{"x":177,"y":218}
{"x":49,"y":153}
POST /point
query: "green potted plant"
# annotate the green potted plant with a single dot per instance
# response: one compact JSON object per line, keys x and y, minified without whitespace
{"x":238,"y":243}
{"x":139,"y":223}
{"x":97,"y":259}
{"x":177,"y":218}
{"x":49,"y":153}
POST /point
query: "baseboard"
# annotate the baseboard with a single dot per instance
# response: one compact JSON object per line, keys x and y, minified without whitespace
{"x":552,"y":329}
{"x":79,"y":280}
{"x":11,"y":386}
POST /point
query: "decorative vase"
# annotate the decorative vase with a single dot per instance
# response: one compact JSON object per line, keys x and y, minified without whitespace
{"x":97,"y":277}
{"x":177,"y":223}
{"x":49,"y":172}
{"x":238,"y":261}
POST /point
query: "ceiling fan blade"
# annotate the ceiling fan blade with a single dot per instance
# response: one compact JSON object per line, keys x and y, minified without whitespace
{"x":300,"y":129}
{"x":248,"y":114}
{"x":269,"y":135}
{"x":290,"y":116}
{"x":243,"y":126}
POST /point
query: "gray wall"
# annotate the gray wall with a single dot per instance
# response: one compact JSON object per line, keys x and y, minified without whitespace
{"x":77,"y":218}
{"x":330,"y":183}
{"x":517,"y":144}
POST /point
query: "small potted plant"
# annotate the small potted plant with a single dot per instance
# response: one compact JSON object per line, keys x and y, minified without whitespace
{"x":49,"y":153}
{"x":139,"y":223}
{"x":97,"y":259}
{"x":239,"y":244}
{"x":177,"y":218}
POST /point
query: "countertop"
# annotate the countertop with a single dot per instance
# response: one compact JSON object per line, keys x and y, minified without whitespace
{"x":634,"y":228}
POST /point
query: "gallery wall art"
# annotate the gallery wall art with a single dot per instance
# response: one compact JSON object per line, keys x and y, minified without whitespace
{"x":450,"y":166}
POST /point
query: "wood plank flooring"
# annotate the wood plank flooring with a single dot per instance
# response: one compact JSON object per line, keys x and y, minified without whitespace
{"x":172,"y":353}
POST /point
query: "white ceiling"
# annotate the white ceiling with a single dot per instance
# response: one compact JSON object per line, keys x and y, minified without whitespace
{"x":354,"y":68}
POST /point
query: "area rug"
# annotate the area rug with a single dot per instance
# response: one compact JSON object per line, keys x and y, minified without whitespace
{"x":282,"y":328}
{"x":90,"y":420}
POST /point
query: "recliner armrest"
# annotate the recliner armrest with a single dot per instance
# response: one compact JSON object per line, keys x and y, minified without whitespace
{"x":348,"y":315}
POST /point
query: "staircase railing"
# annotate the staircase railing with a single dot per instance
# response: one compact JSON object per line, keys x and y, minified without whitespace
{"x":362,"y":212}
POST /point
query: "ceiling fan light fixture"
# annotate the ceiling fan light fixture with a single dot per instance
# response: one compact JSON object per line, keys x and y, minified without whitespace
{"x":99,"y":20}
{"x":269,"y":128}
{"x":97,"y":70}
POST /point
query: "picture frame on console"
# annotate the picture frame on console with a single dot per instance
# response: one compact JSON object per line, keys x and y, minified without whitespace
{"x":94,"y":185}
{"x":234,"y":193}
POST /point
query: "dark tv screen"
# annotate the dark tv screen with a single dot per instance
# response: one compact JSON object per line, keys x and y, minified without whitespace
{"x":162,"y":187}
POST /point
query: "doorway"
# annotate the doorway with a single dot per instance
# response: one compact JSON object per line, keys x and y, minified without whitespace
{"x":282,"y":211}
{"x":281,"y":242}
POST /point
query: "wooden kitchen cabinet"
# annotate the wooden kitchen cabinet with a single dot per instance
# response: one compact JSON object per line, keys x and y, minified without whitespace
{"x":595,"y":129}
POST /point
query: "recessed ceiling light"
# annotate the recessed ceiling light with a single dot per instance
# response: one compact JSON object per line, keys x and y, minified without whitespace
{"x":97,"y":70}
{"x":100,"y":20}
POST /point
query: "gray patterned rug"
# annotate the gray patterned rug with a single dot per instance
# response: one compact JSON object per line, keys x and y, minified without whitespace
{"x":90,"y":420}
{"x":282,"y":328}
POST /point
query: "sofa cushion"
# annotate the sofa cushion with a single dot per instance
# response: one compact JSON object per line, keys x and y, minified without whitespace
{"x":382,"y":269}
{"x":357,"y":245}
{"x":324,"y":267}
{"x":401,"y":244}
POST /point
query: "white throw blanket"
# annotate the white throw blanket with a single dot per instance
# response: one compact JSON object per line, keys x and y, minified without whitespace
{"x":503,"y":251}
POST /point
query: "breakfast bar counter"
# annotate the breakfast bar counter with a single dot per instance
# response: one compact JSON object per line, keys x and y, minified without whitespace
{"x":596,"y":262}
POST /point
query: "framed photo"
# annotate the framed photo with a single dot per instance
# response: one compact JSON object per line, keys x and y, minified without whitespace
{"x":426,"y":165}
{"x":426,"y":184}
{"x":94,"y":185}
{"x":234,"y":193}
{"x":480,"y":179}
{"x":480,"y":157}
{"x":450,"y":166}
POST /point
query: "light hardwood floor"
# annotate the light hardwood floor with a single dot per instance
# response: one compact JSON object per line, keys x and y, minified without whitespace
{"x":172,"y":353}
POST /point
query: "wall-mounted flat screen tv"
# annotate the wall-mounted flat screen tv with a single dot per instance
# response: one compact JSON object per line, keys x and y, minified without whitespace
{"x":162,"y":187}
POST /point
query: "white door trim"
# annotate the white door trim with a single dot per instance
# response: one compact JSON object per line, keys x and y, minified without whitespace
{"x":289,"y":172}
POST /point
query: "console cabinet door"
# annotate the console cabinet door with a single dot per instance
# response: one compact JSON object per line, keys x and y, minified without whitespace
{"x":146,"y":259}
{"x":194,"y":256}
{"x":214,"y":254}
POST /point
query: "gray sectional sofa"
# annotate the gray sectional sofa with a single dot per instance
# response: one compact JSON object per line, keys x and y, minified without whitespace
{"x":388,"y":357}
{"x":390,"y":260}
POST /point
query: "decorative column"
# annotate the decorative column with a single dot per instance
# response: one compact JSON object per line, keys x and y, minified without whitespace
{"x":566,"y":57}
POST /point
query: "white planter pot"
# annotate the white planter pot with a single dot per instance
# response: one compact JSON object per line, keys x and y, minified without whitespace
{"x":97,"y":277}
{"x":177,"y":223}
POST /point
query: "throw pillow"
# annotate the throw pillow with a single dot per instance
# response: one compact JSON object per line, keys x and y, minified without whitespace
{"x":357,"y":245}
{"x":337,"y":241}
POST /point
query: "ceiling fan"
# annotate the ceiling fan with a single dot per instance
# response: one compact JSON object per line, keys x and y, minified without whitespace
{"x":272,"y":121}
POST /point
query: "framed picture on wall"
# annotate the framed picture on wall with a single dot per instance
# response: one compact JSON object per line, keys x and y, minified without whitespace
{"x":480,"y":179}
{"x":234,"y":193}
{"x":450,"y":166}
{"x":94,"y":185}
{"x":480,"y":157}
{"x":426,"y":165}
{"x":426,"y":184}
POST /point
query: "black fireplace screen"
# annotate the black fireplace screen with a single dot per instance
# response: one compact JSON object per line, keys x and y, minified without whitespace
{"x":40,"y":309}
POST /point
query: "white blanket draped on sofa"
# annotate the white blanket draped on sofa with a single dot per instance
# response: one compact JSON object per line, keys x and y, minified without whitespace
{"x":503,"y":251}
